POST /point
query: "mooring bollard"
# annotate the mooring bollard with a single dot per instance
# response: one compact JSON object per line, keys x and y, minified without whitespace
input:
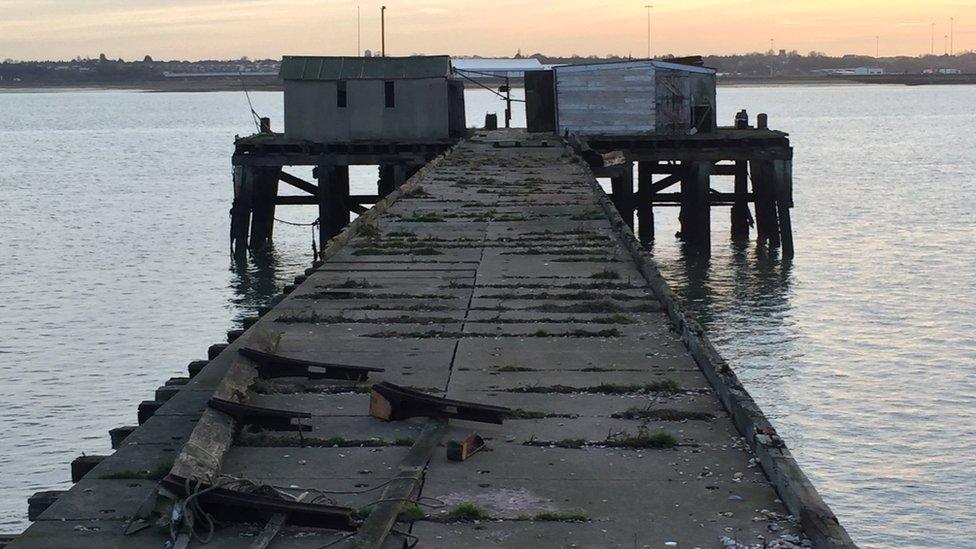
{"x":40,"y":501}
{"x":119,"y":434}
{"x":81,"y":465}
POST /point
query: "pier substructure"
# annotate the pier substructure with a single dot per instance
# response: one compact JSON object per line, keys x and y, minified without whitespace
{"x":260,"y":162}
{"x":693,"y":163}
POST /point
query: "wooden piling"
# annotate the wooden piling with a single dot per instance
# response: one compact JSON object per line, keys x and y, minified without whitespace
{"x":240,"y":211}
{"x":645,"y":208}
{"x":264,"y":191}
{"x":386,"y":184}
{"x":740,"y":207}
{"x":333,"y":200}
{"x":764,"y":189}
{"x":695,"y":215}
{"x":622,"y":187}
{"x":783,"y":177}
{"x":399,"y":174}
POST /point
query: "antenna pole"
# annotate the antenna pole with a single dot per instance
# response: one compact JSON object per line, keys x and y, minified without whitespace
{"x":648,"y":6}
{"x":359,"y":33}
{"x":383,"y":31}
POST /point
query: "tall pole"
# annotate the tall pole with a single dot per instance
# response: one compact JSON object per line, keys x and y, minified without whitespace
{"x":648,"y":6}
{"x":359,"y":33}
{"x":877,"y":47}
{"x":932,"y":52}
{"x":383,"y":31}
{"x":952,"y":36}
{"x":945,"y":39}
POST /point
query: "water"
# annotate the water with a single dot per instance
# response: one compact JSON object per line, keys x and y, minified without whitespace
{"x":114,"y":274}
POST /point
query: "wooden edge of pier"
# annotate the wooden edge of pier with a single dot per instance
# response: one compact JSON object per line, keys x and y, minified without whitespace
{"x":794,"y":488}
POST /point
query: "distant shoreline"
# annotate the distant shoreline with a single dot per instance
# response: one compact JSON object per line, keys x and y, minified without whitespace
{"x":273,"y":84}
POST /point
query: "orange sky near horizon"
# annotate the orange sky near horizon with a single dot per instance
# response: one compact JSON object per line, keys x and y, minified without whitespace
{"x":202,"y":29}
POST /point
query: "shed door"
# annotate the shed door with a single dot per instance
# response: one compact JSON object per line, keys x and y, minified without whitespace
{"x":673,"y":102}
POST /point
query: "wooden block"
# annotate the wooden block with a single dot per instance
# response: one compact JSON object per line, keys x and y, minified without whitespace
{"x":461,"y":451}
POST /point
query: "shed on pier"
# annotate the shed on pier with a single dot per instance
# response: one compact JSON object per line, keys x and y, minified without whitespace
{"x":372,"y":99}
{"x":635,"y":98}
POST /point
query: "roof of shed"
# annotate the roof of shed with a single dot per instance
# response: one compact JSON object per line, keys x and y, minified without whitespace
{"x":639,"y":64}
{"x":363,"y":68}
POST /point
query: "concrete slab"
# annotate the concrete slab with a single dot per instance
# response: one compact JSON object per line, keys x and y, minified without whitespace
{"x":97,"y":499}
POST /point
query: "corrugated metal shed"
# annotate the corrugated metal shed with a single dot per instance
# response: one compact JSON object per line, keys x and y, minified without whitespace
{"x":364,"y":68}
{"x":634,"y":98}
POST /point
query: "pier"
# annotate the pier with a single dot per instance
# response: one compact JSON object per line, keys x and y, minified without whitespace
{"x":486,"y":357}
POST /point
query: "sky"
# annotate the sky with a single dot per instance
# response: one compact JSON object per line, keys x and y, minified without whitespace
{"x":226,"y":29}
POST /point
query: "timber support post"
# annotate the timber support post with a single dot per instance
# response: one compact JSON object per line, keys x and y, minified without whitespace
{"x":645,"y":208}
{"x":386,"y":184}
{"x":695,"y":214}
{"x":740,"y":207}
{"x":333,"y":200}
{"x":622,"y":193}
{"x":240,"y":211}
{"x":783,"y":177}
{"x":264,"y":191}
{"x":764,"y":189}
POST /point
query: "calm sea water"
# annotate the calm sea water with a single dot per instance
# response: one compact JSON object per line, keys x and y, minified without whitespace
{"x":114,"y":273}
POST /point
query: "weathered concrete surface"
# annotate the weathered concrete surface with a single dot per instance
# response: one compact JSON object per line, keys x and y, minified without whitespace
{"x":498,"y":279}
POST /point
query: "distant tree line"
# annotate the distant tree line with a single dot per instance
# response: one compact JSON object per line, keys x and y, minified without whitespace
{"x":793,"y":63}
{"x":775,"y":64}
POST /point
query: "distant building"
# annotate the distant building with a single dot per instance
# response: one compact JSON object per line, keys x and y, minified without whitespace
{"x":942,"y":71}
{"x":857,"y":71}
{"x":374,"y":99}
{"x":634,"y":98}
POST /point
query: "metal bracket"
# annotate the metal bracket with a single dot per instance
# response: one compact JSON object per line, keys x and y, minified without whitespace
{"x":271,"y":366}
{"x":233,"y":506}
{"x":391,"y":402}
{"x":268,"y":418}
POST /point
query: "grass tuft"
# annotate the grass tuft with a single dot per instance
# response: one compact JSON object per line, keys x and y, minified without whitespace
{"x":156,"y":473}
{"x":561,"y":517}
{"x":643,"y":439}
{"x":606,"y":274}
{"x":468,"y":512}
{"x":514,"y":369}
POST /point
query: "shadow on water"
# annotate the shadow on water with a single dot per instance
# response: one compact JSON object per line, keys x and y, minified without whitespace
{"x":256,"y":279}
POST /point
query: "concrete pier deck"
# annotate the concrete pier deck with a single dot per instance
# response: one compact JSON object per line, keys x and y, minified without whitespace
{"x":498,"y":275}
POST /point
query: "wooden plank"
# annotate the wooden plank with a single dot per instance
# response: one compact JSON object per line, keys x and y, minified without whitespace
{"x":399,"y":491}
{"x":299,"y":183}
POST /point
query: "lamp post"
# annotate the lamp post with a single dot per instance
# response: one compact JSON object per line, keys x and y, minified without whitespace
{"x":383,"y":31}
{"x":648,"y":6}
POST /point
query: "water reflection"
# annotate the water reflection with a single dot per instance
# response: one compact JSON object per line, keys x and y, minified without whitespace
{"x":742,"y":280}
{"x":255,"y":279}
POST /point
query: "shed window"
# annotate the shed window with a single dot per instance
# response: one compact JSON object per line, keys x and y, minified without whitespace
{"x":341,"y":94}
{"x":390,"y":94}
